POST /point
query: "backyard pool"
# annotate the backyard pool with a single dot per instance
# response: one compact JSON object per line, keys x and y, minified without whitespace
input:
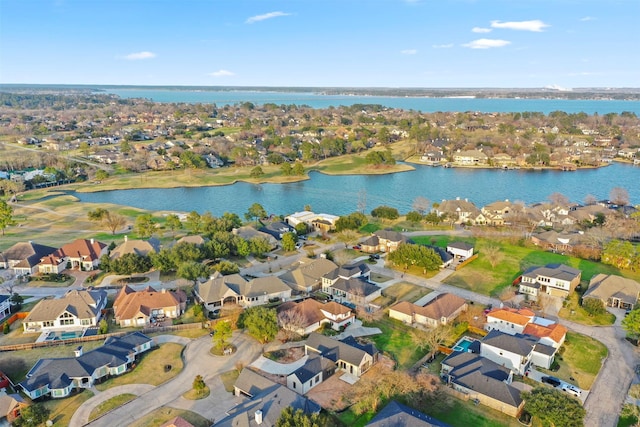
{"x":63,"y":335}
{"x":463,"y":344}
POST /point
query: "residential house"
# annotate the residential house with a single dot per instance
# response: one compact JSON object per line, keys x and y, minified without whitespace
{"x":559,"y":242}
{"x":460,"y":250}
{"x":553,"y":279}
{"x":307,"y":276}
{"x":309,"y":315}
{"x":192,"y":239}
{"x":441,"y":310}
{"x":482,"y":380}
{"x":177,"y":422}
{"x":460,"y":211}
{"x":80,"y":254}
{"x":248,"y":233}
{"x":497,"y":213}
{"x":398,"y":415}
{"x":445,"y":257}
{"x":524,"y":321}
{"x":265,"y":402}
{"x":350,"y":356}
{"x":277,"y":229}
{"x":10,"y":407}
{"x":614,"y":291}
{"x":23,"y":257}
{"x":5,"y":306}
{"x":383,"y":241}
{"x":59,"y":377}
{"x":137,"y":247}
{"x":315,"y":370}
{"x":148,"y":306}
{"x":516,"y":351}
{"x":234,"y":289}
{"x":313,"y":221}
{"x":351,"y":283}
{"x":470,"y":158}
{"x":76,"y":310}
{"x":433,"y":158}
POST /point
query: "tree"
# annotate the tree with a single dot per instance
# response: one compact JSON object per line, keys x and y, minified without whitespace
{"x":259,"y":246}
{"x":409,"y":254}
{"x":298,"y":169}
{"x":225,"y":267}
{"x":619,"y":196}
{"x":103,"y":327}
{"x":353,"y":221}
{"x":6,"y":215}
{"x":553,"y":407}
{"x":262,"y":323}
{"x":493,"y":254}
{"x":558,"y":199}
{"x":291,"y":417}
{"x":144,"y":225}
{"x":222,"y":334}
{"x":113,"y":221}
{"x":102,"y":174}
{"x":620,"y":254}
{"x":256,"y":172}
{"x":386,"y":212}
{"x":192,"y":270}
{"x":32,"y":416}
{"x":414,"y":216}
{"x":421,"y":204}
{"x":593,"y":306}
{"x":6,"y":328}
{"x":432,"y":337}
{"x":631,"y":323}
{"x":289,"y":241}
{"x":286,"y":169}
{"x":194,"y":222}
{"x":255,"y":211}
{"x":347,"y":237}
{"x":173,"y":222}
{"x":199,"y":385}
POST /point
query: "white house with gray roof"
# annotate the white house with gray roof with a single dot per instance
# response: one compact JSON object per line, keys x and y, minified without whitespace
{"x":349,"y":355}
{"x":75,"y":311}
{"x":516,"y":352}
{"x":552,"y":279}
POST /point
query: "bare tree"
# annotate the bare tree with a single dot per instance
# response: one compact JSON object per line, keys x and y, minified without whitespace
{"x":421,"y":205}
{"x":292,"y":323}
{"x":619,"y":196}
{"x":493,"y":255}
{"x":347,"y":237}
{"x":431,"y":338}
{"x":558,"y":199}
{"x":590,"y":199}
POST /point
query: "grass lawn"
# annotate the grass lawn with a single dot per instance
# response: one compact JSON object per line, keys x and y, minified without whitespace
{"x":356,"y":164}
{"x":627,"y":419}
{"x":582,"y":358}
{"x":151,"y":369}
{"x":63,"y":409}
{"x":573,"y":311}
{"x":194,"y":395}
{"x":379,"y":278}
{"x":111,"y":404}
{"x":396,"y":340}
{"x":458,"y":413}
{"x":229,"y":378}
{"x":401,"y":292}
{"x":187,"y":333}
{"x":164,"y":414}
{"x":16,"y":364}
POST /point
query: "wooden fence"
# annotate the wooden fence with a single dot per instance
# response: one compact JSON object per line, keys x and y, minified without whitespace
{"x":466,"y":261}
{"x":16,"y":316}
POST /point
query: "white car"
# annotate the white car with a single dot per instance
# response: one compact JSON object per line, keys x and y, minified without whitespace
{"x":571,"y":390}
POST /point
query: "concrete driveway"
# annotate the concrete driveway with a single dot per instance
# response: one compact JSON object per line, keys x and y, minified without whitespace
{"x":197,"y":361}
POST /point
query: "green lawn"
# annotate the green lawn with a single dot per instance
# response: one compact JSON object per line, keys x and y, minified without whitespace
{"x":401,"y":291}
{"x":61,"y":410}
{"x":229,"y":378}
{"x":573,"y":311}
{"x":396,"y":340}
{"x":458,"y":413}
{"x":164,"y":414}
{"x":151,"y":368}
{"x":111,"y":404}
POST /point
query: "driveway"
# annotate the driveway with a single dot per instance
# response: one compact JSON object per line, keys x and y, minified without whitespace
{"x":197,"y":361}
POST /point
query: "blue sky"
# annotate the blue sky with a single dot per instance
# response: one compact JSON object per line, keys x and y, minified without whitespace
{"x":376,"y":43}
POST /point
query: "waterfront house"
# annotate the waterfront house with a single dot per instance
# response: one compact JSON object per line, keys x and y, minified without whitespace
{"x":383,"y":241}
{"x":458,"y":210}
{"x":76,"y":310}
{"x":613,"y":291}
{"x":470,"y":158}
{"x":60,"y":376}
{"x":277,"y":229}
{"x":313,"y":221}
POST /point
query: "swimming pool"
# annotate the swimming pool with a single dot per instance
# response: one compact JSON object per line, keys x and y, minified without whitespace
{"x":63,"y":335}
{"x":463,"y":344}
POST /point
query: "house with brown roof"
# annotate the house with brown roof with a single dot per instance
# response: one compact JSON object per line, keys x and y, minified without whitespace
{"x":524,"y":321}
{"x":459,"y":210}
{"x":349,"y":355}
{"x":613,"y":291}
{"x":383,"y":241}
{"x":309,"y":315}
{"x":470,"y":158}
{"x":441,"y":310}
{"x":82,"y":254}
{"x":24,"y":257}
{"x":135,"y":246}
{"x":10,"y":407}
{"x":147,"y":307}
{"x":177,"y":422}
{"x":76,"y":310}
{"x":307,"y":276}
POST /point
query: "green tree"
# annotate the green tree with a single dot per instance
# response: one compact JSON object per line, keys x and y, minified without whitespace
{"x":194,"y":222}
{"x":414,"y":216}
{"x":6,"y":215}
{"x":103,"y":327}
{"x":593,"y":306}
{"x":298,"y":169}
{"x":222,"y":334}
{"x":286,"y":169}
{"x":144,"y":225}
{"x":256,"y":172}
{"x":199,"y":385}
{"x":102,"y":174}
{"x":6,"y":328}
{"x":631,"y":323}
{"x":192,"y":270}
{"x":619,"y":253}
{"x":291,"y":417}
{"x":259,"y":246}
{"x":553,"y":407}
{"x":353,"y":221}
{"x":198,"y":312}
{"x":226,"y":267}
{"x":32,"y":416}
{"x":289,"y":242}
{"x":243,"y":248}
{"x":262,"y":323}
{"x":173,"y":222}
{"x":386,"y":212}
{"x":409,"y":254}
{"x":255,"y":211}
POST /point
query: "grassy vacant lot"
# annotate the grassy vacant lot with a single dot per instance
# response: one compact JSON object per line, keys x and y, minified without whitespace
{"x":401,"y":292}
{"x":581,"y":358}
{"x":396,"y":340}
{"x":573,"y":311}
{"x":63,"y":409}
{"x":151,"y":369}
{"x":164,"y":414}
{"x":479,"y":276}
{"x":111,"y":404}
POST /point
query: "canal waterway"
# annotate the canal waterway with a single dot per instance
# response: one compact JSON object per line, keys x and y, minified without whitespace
{"x":343,"y":194}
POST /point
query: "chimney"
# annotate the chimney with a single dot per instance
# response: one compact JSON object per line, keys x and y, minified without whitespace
{"x":125,"y":238}
{"x":258,"y":417}
{"x":164,"y":291}
{"x":78,"y":351}
{"x":92,"y":242}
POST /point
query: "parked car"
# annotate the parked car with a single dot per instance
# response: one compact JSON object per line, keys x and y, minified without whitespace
{"x":374,"y":257}
{"x":555,"y":382}
{"x":357,"y":247}
{"x":571,"y":390}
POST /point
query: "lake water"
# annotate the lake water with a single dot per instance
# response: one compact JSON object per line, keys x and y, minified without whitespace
{"x":423,"y":104}
{"x":340,"y":194}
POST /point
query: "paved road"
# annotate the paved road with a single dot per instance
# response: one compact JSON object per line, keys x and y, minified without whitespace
{"x":197,"y":361}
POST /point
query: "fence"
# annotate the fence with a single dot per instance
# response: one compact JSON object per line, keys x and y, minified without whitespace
{"x":16,"y":316}
{"x":466,"y":261}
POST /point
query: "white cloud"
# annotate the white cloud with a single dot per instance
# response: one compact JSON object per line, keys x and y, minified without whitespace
{"x":588,"y":18}
{"x":443,"y":46}
{"x":558,"y":88}
{"x":265,"y":16}
{"x":140,"y":55}
{"x":409,"y":51}
{"x":535,"y":25}
{"x":222,"y":73}
{"x":481,"y":30}
{"x":486,"y":43}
